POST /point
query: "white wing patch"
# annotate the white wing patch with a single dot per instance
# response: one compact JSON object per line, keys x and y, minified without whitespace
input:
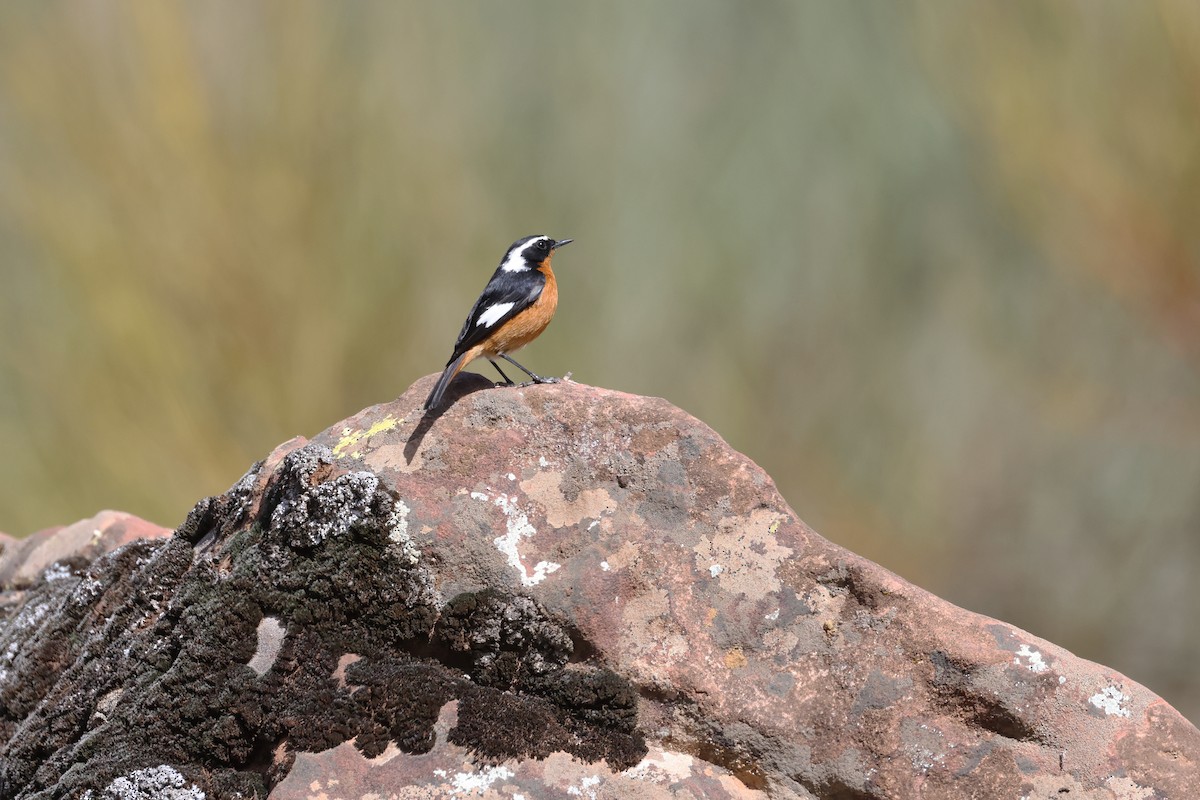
{"x":493,"y":313}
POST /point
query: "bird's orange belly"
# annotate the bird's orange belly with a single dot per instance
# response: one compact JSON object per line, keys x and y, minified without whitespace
{"x":528,"y":325}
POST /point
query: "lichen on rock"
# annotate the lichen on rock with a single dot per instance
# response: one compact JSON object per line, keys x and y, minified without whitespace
{"x":155,"y":783}
{"x":360,"y":614}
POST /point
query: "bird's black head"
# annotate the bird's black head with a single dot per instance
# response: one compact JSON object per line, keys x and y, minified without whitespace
{"x":529,"y":252}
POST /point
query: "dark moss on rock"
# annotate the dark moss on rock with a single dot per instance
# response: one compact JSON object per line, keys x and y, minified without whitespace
{"x":142,"y":658}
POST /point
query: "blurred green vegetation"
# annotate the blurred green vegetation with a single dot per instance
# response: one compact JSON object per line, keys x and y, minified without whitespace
{"x":933,"y":265}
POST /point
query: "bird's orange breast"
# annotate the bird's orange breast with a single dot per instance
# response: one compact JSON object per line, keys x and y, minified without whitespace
{"x":529,"y":324}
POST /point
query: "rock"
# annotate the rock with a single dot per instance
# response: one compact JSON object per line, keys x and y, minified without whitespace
{"x":553,"y":591}
{"x":23,"y":560}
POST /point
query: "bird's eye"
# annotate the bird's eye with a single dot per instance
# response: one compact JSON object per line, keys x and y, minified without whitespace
{"x":544,"y":244}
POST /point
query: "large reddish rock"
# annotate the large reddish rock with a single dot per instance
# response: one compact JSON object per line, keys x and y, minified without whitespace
{"x":552,"y":591}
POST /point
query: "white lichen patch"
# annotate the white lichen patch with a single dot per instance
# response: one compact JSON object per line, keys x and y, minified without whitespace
{"x":478,"y":782}
{"x":86,"y":591}
{"x":315,"y":513}
{"x":28,"y":619}
{"x":586,"y":788}
{"x":1111,"y":701}
{"x":541,"y":569}
{"x":270,"y":639}
{"x":399,"y":531}
{"x":56,"y":572}
{"x":661,"y":766}
{"x":6,"y":659}
{"x":161,"y":783}
{"x":1031,"y":659}
{"x":517,"y":527}
{"x":397,"y":525}
{"x":715,"y":569}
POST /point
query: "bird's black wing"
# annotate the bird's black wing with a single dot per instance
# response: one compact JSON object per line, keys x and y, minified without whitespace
{"x":516,"y":290}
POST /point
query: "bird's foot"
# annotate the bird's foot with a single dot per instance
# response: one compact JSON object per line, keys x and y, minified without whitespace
{"x":539,"y":379}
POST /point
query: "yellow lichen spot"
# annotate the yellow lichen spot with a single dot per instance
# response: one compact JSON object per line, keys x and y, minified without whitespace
{"x":774,"y":528}
{"x":350,"y":438}
{"x":709,"y":616}
{"x":735,"y":658}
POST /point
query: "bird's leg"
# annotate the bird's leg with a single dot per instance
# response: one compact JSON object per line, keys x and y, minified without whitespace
{"x":507,"y":380}
{"x":536,"y":378}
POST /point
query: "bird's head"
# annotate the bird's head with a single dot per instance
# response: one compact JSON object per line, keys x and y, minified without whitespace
{"x":530,"y":252}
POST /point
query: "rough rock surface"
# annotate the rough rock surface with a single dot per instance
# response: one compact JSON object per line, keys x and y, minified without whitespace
{"x":553,"y":591}
{"x":22,"y":561}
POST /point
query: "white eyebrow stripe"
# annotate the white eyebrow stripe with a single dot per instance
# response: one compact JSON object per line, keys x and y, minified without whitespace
{"x":488,"y":318}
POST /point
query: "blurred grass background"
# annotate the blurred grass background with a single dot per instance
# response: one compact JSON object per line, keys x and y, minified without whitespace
{"x":934,"y":266}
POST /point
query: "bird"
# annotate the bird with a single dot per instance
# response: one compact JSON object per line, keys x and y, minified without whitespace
{"x":515,"y":307}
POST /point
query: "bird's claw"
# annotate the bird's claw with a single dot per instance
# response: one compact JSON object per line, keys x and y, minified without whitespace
{"x":537,"y":380}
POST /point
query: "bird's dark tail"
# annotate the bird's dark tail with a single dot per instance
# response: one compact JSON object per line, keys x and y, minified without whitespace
{"x":453,"y":368}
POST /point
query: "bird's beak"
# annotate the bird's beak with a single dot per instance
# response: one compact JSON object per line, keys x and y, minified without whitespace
{"x":560,"y":243}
